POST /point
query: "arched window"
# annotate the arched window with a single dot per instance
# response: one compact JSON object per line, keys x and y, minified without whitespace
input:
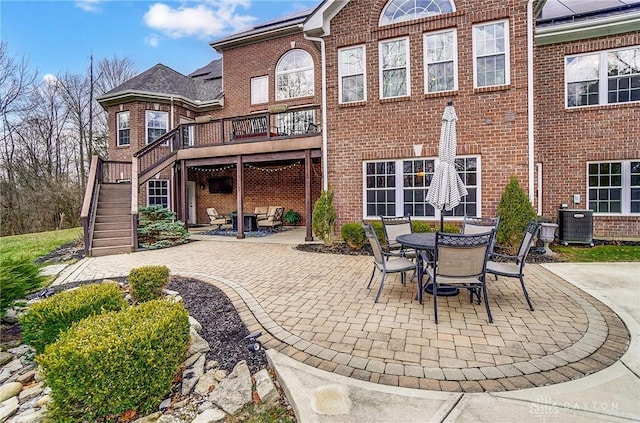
{"x":294,"y":75}
{"x":408,"y":10}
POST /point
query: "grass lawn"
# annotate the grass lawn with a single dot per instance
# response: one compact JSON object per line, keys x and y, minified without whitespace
{"x":37,"y":244}
{"x":599,"y":253}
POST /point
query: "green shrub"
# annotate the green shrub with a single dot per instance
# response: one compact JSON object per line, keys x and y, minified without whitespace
{"x":378,"y":228}
{"x":18,"y":277}
{"x":146,"y":283}
{"x":420,"y":226}
{"x":515,"y":211}
{"x":43,"y":322}
{"x":353,"y":235}
{"x":324,"y":217}
{"x":450,"y":228}
{"x":158,"y":228}
{"x":292,"y":217}
{"x":114,"y":362}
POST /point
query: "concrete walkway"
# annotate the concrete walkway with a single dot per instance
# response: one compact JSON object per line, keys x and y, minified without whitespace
{"x":343,"y":358}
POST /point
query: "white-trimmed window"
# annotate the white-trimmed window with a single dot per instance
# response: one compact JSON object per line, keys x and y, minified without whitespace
{"x":351,"y":74}
{"x":158,"y":193}
{"x":394,"y":68}
{"x":124,"y":129}
{"x":294,"y":75}
{"x":260,"y":90}
{"x":399,"y":187}
{"x":614,"y":187}
{"x":587,"y":75}
{"x":157,"y":124}
{"x":440,"y":61}
{"x":403,"y":10}
{"x":491,"y":54}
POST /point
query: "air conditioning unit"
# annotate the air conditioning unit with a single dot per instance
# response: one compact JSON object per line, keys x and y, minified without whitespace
{"x":575,"y":226}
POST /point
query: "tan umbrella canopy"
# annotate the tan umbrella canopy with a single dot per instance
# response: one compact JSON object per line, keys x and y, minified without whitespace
{"x":446,"y":187}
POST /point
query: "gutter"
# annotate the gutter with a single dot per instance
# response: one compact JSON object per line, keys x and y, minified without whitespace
{"x":530,"y":114}
{"x":155,"y":96}
{"x":323,"y":61}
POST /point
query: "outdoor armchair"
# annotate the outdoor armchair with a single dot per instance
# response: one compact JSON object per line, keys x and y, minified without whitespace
{"x":261,"y":212}
{"x":513,"y":266}
{"x":461,"y":260}
{"x":383,"y":263}
{"x":393,"y":227}
{"x":273,"y":220}
{"x":479,"y":225}
{"x":216,"y":218}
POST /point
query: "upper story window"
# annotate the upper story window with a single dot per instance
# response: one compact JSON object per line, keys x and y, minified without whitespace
{"x":351,"y":74}
{"x":587,"y":75}
{"x":294,"y":75}
{"x":491,"y":54}
{"x":394,"y":68}
{"x":440,"y":61}
{"x":124,"y":130}
{"x":408,"y":10}
{"x":614,"y":187}
{"x":157,"y":124}
{"x":260,"y":90}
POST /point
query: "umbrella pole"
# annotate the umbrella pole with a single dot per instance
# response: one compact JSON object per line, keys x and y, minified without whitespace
{"x":441,"y":222}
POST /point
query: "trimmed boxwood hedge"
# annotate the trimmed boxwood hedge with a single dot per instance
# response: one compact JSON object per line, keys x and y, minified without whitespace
{"x":44,"y":321}
{"x":115,"y":362}
{"x":147,"y":282}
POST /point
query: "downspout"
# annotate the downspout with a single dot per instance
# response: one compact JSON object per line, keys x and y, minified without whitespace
{"x":172,"y":120}
{"x":325,"y":166}
{"x":530,"y":115}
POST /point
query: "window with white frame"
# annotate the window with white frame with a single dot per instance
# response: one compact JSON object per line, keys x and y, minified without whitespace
{"x":260,"y":90}
{"x":351,"y":74}
{"x":403,"y":10}
{"x":440,"y":61}
{"x":491,"y":54}
{"x":124,"y":130}
{"x":294,"y":75}
{"x":158,"y":193}
{"x":394,"y":68}
{"x":399,"y":187}
{"x":587,"y":75}
{"x":614,"y":187}
{"x":157,"y":124}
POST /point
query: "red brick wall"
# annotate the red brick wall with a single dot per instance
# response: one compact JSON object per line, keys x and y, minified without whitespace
{"x":492,"y":122}
{"x":567,"y":138}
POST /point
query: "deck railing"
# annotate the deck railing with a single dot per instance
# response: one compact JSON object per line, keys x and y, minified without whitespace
{"x":259,"y":127}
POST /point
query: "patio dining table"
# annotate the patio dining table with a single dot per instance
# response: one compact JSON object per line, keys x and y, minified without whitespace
{"x":423,"y":242}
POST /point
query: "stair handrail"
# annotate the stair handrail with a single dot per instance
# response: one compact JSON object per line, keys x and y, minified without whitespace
{"x":89,"y":204}
{"x":134,"y":202}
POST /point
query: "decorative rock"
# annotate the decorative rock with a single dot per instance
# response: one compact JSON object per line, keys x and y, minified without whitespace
{"x":265,"y":388}
{"x":194,"y":324}
{"x":4,"y":375}
{"x":8,"y":390}
{"x":206,"y":382}
{"x":197,"y":344}
{"x":20,"y":350}
{"x":205,"y":406}
{"x":151,"y":418}
{"x":27,"y":377}
{"x":189,"y":361}
{"x":14,"y":365}
{"x":30,"y":416}
{"x":11,"y":316}
{"x":168,"y":419}
{"x":211,"y":415}
{"x":29,"y":393}
{"x":44,"y":400}
{"x":234,"y":392}
{"x":164,"y":404}
{"x":32,"y":403}
{"x":211,"y":364}
{"x":5,"y":357}
{"x":191,"y":376}
{"x":8,"y":408}
{"x":220,"y":374}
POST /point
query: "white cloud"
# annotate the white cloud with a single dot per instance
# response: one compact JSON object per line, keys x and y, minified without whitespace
{"x":92,"y":6}
{"x":152,"y":40}
{"x":50,"y":79}
{"x":205,"y":20}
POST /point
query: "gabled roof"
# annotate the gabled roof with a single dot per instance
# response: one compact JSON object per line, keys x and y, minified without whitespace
{"x":160,"y":81}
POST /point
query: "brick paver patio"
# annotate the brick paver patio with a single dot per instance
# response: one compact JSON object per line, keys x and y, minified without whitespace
{"x":316,"y":309}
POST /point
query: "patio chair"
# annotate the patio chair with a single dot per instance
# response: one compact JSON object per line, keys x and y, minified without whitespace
{"x":383,"y":263}
{"x":273,"y":220}
{"x":513,"y":266}
{"x":216,"y":218}
{"x":394,"y":226}
{"x":461,"y":260}
{"x":261,"y":212}
{"x":478,"y":225}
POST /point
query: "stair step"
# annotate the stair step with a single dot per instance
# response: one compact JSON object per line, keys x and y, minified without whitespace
{"x":114,"y":204}
{"x":115,"y":218}
{"x":107,"y":251}
{"x":112,"y":242}
{"x":113,"y":211}
{"x":112,"y":226}
{"x":111,"y":233}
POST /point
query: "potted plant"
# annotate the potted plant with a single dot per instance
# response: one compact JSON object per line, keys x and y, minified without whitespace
{"x":292,"y":217}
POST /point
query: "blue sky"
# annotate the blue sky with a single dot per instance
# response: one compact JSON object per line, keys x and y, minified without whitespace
{"x":59,"y":36}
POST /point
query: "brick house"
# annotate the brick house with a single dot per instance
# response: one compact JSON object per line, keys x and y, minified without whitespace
{"x":350,"y":96}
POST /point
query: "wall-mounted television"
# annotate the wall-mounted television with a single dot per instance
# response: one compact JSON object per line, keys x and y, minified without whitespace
{"x":221,"y":185}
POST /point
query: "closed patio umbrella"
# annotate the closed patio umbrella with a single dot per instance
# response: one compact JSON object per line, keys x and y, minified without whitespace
{"x":446,"y":187}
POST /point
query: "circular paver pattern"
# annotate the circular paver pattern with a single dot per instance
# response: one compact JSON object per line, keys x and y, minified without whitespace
{"x":317,"y":309}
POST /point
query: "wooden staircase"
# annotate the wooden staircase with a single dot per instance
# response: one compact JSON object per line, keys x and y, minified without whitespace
{"x":112,"y":227}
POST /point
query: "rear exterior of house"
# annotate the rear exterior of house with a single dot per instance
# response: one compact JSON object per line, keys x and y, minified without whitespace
{"x":264,"y":118}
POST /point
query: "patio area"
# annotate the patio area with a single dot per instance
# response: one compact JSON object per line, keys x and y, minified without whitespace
{"x":316,"y":309}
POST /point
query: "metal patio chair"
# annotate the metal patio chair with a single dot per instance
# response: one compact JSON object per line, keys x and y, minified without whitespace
{"x":479,"y":225}
{"x":383,"y":262}
{"x":394,"y":226}
{"x":461,"y":261}
{"x":513,"y":266}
